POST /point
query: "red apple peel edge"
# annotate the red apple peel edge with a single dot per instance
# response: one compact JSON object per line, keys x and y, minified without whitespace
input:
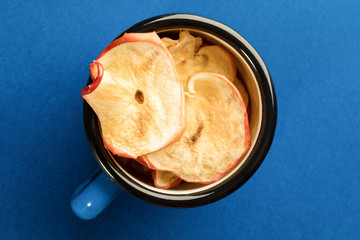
{"x":171,"y":185}
{"x":96,"y":73}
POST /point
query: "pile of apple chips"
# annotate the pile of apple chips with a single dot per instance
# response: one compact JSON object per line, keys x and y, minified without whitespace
{"x":171,"y":105}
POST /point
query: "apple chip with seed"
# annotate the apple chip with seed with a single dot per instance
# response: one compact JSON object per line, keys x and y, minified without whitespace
{"x":137,"y":95}
{"x":217,"y":134}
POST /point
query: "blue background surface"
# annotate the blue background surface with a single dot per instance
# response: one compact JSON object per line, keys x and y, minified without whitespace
{"x":308,"y":186}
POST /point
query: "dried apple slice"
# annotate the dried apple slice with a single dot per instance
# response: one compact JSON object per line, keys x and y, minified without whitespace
{"x":137,"y":95}
{"x":168,"y":42}
{"x":217,"y":136}
{"x":185,"y":47}
{"x":164,"y":179}
{"x":190,"y":58}
{"x":243,"y":91}
{"x":215,"y":59}
{"x":183,"y":53}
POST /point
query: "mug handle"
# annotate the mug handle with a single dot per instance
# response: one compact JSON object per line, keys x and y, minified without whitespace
{"x":94,"y":195}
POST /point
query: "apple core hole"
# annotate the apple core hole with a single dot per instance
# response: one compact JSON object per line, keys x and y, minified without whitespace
{"x":139,"y":96}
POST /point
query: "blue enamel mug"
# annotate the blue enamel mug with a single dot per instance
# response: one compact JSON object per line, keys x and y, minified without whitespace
{"x":96,"y":193}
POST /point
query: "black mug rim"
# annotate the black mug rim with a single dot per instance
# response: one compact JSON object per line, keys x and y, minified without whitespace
{"x":256,"y":157}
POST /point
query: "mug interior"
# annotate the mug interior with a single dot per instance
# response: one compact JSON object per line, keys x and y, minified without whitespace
{"x":245,"y":74}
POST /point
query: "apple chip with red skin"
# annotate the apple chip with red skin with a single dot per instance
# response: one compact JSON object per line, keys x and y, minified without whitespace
{"x":164,"y":179}
{"x":137,"y":95}
{"x":161,"y":179}
{"x":217,"y":136}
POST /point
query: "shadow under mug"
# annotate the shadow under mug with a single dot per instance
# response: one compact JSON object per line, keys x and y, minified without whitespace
{"x":99,"y":190}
